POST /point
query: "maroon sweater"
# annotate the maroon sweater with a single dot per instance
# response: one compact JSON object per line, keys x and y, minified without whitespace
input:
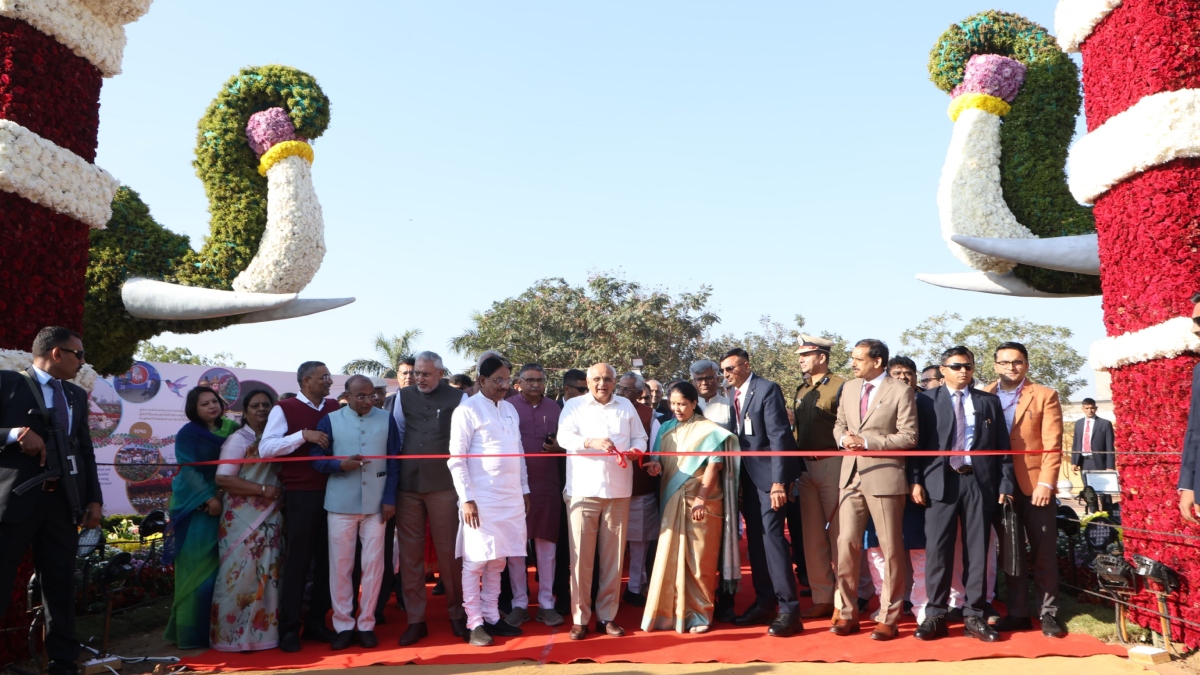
{"x":299,"y":416}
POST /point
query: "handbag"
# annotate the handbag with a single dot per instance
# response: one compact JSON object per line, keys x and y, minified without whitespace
{"x":1011,"y":549}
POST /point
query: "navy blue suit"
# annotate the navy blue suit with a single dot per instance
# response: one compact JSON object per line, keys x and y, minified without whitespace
{"x":770,"y":558}
{"x":1189,"y":468}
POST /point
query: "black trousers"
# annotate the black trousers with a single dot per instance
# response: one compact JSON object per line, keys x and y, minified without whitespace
{"x":770,"y":555}
{"x":52,"y":533}
{"x":1038,"y":531}
{"x":307,"y":537}
{"x":942,"y":523}
{"x":796,"y":533}
{"x":391,"y":580}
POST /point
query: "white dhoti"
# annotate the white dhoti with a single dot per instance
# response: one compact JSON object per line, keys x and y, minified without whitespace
{"x":481,"y":591}
{"x":345,"y":531}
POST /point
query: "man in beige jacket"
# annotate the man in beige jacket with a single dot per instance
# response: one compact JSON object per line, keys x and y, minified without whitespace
{"x":875,"y":413}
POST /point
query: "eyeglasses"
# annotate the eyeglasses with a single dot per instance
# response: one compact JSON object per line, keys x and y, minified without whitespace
{"x":500,"y":381}
{"x":959,"y":366}
{"x":77,"y":352}
{"x":706,"y":378}
{"x":598,"y":380}
{"x":324,"y":378}
{"x":1005,"y":364}
{"x":928,"y":380}
{"x":364,"y":397}
{"x":730,"y":369}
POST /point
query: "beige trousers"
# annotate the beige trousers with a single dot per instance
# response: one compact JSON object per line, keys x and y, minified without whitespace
{"x":818,"y":504}
{"x":596,"y":522}
{"x":887,"y":511}
{"x":441,"y":508}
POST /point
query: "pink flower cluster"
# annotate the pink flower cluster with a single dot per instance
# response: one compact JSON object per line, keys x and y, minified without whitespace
{"x":992,"y":74}
{"x":268,"y":128}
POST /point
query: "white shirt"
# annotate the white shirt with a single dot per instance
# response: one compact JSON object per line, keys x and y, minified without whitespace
{"x":1008,"y":402}
{"x":969,"y":413}
{"x":589,"y":473}
{"x":480,"y":426}
{"x":44,"y":378}
{"x":716,"y":409}
{"x":275,"y":441}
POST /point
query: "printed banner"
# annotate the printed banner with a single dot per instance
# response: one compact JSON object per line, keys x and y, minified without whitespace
{"x":133,"y":419}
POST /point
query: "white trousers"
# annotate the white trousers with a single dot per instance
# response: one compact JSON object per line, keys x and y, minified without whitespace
{"x":956,"y":585}
{"x":917,"y":594}
{"x":481,"y":591}
{"x":518,"y":574}
{"x":345,"y":530}
{"x":638,"y":550}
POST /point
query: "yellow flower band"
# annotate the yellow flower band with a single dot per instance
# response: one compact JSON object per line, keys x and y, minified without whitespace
{"x":285,"y":149}
{"x":985,"y":102}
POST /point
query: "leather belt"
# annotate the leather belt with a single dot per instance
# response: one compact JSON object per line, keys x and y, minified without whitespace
{"x":965,"y":470}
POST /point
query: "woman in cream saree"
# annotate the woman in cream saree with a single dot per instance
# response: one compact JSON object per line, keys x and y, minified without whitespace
{"x":698,"y":536}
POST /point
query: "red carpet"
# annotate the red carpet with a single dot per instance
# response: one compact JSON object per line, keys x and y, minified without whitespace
{"x":724,"y":644}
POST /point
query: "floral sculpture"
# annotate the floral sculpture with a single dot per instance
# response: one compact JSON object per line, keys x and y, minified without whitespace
{"x":79,"y":250}
{"x":1009,"y":211}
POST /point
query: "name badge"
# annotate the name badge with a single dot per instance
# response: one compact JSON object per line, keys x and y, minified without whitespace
{"x":747,"y":426}
{"x":74,"y":468}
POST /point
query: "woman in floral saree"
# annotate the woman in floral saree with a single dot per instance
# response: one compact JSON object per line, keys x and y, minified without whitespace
{"x":698,"y":532}
{"x":245,"y":607}
{"x":191,"y":539}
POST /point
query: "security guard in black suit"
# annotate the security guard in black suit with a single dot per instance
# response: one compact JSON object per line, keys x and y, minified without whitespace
{"x":48,"y":482}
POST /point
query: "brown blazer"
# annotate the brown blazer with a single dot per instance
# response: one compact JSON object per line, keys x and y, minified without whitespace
{"x":891,"y":424}
{"x":1037,"y":425}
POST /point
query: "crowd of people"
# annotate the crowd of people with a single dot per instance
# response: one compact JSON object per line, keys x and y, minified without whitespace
{"x":634,"y":475}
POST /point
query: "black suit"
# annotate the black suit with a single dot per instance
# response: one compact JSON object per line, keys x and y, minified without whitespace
{"x":43,"y":518}
{"x":967,"y":498}
{"x":1189,"y":467}
{"x":1103,"y":457}
{"x":768,"y":429}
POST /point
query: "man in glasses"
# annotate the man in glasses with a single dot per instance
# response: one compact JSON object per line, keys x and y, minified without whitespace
{"x":931,"y":378}
{"x":292,"y":431}
{"x":962,"y":489}
{"x":760,"y":417}
{"x":1035,"y":421}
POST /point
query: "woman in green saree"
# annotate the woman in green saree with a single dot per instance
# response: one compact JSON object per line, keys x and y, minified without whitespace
{"x":697,"y":531}
{"x":191,"y":540}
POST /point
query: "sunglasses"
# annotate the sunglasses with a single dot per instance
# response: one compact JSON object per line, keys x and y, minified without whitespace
{"x":959,"y":366}
{"x":77,"y":352}
{"x":576,"y":387}
{"x":1196,"y":320}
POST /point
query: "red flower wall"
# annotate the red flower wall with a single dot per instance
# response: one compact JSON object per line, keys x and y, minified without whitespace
{"x":1149,"y":228}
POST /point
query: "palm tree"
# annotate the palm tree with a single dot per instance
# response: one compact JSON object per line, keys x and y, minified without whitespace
{"x":392,"y":352}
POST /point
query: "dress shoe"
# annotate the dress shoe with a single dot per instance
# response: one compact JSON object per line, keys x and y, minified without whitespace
{"x":439,"y":588}
{"x":549,"y":617}
{"x":480,"y":637}
{"x":977,"y":627}
{"x":1051,"y":628}
{"x":367,"y":639}
{"x":785,"y":625}
{"x":342,"y":640}
{"x":459,"y":628}
{"x":908,"y":608}
{"x":884,"y":632}
{"x":1010,"y":623}
{"x":578,"y":632}
{"x":844,"y":627}
{"x":932,"y":628}
{"x":610,"y":628}
{"x":319,"y":634}
{"x":725,"y":615}
{"x":635,"y":599}
{"x":501,"y":628}
{"x":413,"y":634}
{"x":954,"y":615}
{"x":756,"y":615}
{"x":820,"y":611}
{"x":289,"y":643}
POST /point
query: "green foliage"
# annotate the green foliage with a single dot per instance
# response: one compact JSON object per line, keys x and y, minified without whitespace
{"x":773,"y":352}
{"x":610,"y":320}
{"x":1035,"y":135}
{"x":148,"y":351}
{"x":392,"y":352}
{"x":1052,"y":360}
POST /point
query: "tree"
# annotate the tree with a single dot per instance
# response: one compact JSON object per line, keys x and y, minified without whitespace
{"x":391,"y":351}
{"x":1052,"y":360}
{"x":773,"y":352}
{"x":148,"y":351}
{"x":610,"y":320}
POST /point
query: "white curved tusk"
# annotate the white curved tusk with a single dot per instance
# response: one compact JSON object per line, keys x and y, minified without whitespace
{"x":1080,"y":253}
{"x":293,"y":243}
{"x":296,"y":308}
{"x":990,"y":282}
{"x":150,"y":299}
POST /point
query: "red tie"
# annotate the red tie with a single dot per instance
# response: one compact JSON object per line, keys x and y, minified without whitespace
{"x":862,"y":402}
{"x":1087,"y":437}
{"x":737,"y":409}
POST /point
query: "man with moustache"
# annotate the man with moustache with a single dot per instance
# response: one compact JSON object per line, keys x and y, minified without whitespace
{"x":1034,"y":418}
{"x":706,"y":376}
{"x":291,"y":431}
{"x":961,"y":489}
{"x":875,"y":413}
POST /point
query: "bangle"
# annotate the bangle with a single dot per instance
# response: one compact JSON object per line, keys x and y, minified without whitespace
{"x":264,"y":489}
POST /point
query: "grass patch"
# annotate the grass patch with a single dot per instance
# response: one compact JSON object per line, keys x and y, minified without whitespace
{"x":1099,"y":621}
{"x":149,"y":618}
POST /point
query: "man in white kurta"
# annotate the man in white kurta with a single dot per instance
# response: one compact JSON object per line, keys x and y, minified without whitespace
{"x":493,"y":496}
{"x":599,"y":431}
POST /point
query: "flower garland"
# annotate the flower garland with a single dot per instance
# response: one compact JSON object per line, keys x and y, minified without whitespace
{"x":1157,"y":129}
{"x":1164,"y":341}
{"x":14,"y":359}
{"x":54,"y":177}
{"x":293,"y":245}
{"x":75,"y":25}
{"x":1035,"y":134}
{"x":1074,"y":20}
{"x":987,"y":103}
{"x":282,"y":151}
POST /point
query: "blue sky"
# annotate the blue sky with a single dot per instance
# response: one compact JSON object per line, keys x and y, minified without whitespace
{"x":785,"y":153}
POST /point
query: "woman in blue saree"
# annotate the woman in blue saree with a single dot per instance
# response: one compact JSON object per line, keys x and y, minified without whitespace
{"x":191,"y":541}
{"x":698,"y":531}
